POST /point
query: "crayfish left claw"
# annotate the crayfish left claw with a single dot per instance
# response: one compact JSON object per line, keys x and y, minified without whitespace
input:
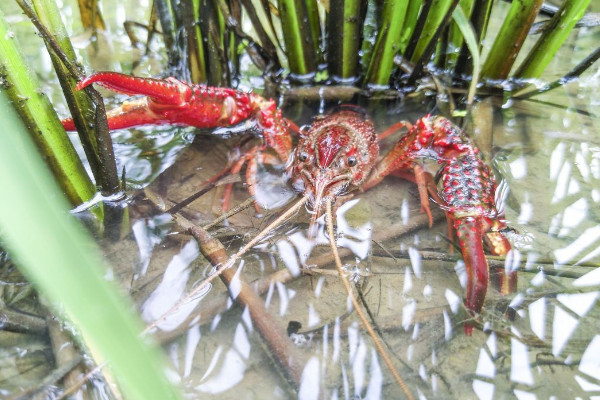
{"x":169,"y":91}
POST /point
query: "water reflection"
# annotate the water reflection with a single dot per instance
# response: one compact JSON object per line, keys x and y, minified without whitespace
{"x":232,"y":368}
{"x":546,"y":340}
{"x":148,"y":233}
{"x":172,"y":287}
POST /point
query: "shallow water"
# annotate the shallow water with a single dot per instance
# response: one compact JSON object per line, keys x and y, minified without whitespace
{"x":548,"y":159}
{"x":549,"y":349}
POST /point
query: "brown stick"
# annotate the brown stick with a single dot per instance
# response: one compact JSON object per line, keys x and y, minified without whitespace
{"x":274,"y":335}
{"x":212,"y":308}
{"x":378,"y":345}
{"x":228,"y":264}
{"x":65,"y":353}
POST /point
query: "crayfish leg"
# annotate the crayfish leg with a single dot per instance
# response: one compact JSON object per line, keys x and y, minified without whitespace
{"x":504,"y":279}
{"x":426,"y":186}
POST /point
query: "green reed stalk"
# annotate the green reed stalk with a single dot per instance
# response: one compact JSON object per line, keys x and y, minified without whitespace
{"x":512,"y":34}
{"x":213,"y":30}
{"x":470,"y":39}
{"x":552,"y":38}
{"x":388,"y":42}
{"x":263,"y":25}
{"x":195,"y":42}
{"x":455,"y":37}
{"x":480,"y":17}
{"x":61,"y":260}
{"x":168,"y":22}
{"x":344,"y":31}
{"x":99,"y":153}
{"x":312,"y":11}
{"x":297,"y":36}
{"x":410,"y":21}
{"x":433,"y":45}
{"x":435,"y":17}
{"x":41,"y":119}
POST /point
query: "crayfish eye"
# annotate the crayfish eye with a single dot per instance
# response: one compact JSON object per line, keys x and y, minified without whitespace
{"x":303,"y":156}
{"x":352,"y":161}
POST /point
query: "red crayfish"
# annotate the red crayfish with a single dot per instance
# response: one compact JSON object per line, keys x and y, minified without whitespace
{"x":338,"y":154}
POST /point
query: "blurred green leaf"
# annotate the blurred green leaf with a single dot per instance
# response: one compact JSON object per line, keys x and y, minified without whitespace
{"x":60,"y":259}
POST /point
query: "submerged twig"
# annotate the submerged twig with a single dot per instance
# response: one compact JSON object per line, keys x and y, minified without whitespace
{"x":50,"y":379}
{"x":359,"y":311}
{"x":230,"y":262}
{"x":65,"y":354}
{"x":202,"y":191}
{"x":242,"y":206}
{"x":269,"y":329}
{"x":20,"y":322}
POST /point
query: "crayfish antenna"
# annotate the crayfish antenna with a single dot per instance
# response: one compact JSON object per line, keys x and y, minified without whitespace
{"x":361,"y":315}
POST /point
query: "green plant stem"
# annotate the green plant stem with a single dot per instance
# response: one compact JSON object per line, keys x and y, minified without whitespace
{"x":44,"y":125}
{"x":312,"y":12}
{"x":261,"y":31}
{"x":437,"y":12}
{"x":297,"y":36}
{"x":470,"y":39}
{"x":101,"y":158}
{"x":455,"y":37}
{"x":213,"y":31}
{"x":410,"y":21}
{"x":388,"y":43}
{"x":480,"y":17}
{"x":168,"y":23}
{"x":512,"y":34}
{"x":97,"y":144}
{"x":432,"y":44}
{"x":553,"y":37}
{"x":60,"y":259}
{"x":195,"y":44}
{"x":344,"y":29}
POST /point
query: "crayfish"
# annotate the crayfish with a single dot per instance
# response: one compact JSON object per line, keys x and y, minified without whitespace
{"x":337,"y":155}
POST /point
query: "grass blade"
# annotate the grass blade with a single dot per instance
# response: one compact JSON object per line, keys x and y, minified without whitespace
{"x":410,"y":22}
{"x":388,"y":43}
{"x":195,"y":44}
{"x":512,"y":34}
{"x":479,"y":18}
{"x":344,"y":29}
{"x":299,"y":46}
{"x":213,"y":31}
{"x":435,"y":17}
{"x":60,"y":259}
{"x":168,"y":23}
{"x":470,"y":39}
{"x":455,"y":35}
{"x":44,"y":125}
{"x":96,"y":144}
{"x":553,"y":37}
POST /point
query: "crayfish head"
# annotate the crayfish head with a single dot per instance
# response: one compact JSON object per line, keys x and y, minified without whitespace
{"x":333,"y":158}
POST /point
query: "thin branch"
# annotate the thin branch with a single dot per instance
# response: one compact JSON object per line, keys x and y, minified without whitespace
{"x":359,"y":311}
{"x":230,"y":262}
{"x":270,"y":329}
